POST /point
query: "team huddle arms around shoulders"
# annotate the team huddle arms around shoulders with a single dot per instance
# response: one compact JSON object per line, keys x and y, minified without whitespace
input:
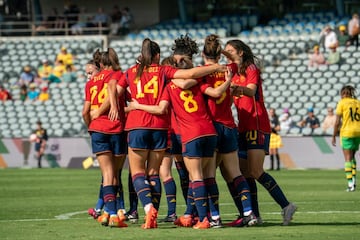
{"x":155,"y":113}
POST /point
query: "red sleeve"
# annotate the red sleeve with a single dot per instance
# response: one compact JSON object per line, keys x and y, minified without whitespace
{"x":122,"y":82}
{"x":165,"y":96}
{"x":169,"y":72}
{"x":252,"y":75}
{"x":203,"y":85}
{"x":117,"y":75}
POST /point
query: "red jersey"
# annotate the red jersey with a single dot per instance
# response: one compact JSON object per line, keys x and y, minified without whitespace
{"x":190,"y":112}
{"x":122,"y":98}
{"x":219,"y":108}
{"x":252,"y":113}
{"x":173,"y":123}
{"x":147,"y":89}
{"x":96,"y":92}
{"x":5,"y":95}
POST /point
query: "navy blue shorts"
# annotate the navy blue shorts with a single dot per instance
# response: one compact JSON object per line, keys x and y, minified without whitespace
{"x":176,"y":146}
{"x":113,"y":143}
{"x":148,"y":139}
{"x":227,"y":138}
{"x":200,"y":147}
{"x":253,"y":140}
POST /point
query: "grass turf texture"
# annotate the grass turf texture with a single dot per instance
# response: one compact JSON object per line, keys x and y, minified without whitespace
{"x":53,"y":203}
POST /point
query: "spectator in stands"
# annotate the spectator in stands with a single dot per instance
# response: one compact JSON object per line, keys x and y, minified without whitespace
{"x":23,"y":93}
{"x":44,"y":94}
{"x":115,"y":20}
{"x":69,"y":75}
{"x":100,"y":19}
{"x":50,"y":22}
{"x":33,"y":93}
{"x":316,"y":58}
{"x":64,"y":56}
{"x":26,"y":76}
{"x":126,"y":20}
{"x":45,"y":69}
{"x":329,"y":122}
{"x":343,"y":36}
{"x":333,"y":56}
{"x":354,"y":30}
{"x":286,"y":122}
{"x":71,"y":10}
{"x":58,"y":71}
{"x":4,"y":94}
{"x":82,"y":22}
{"x":310,"y":121}
{"x":329,"y":37}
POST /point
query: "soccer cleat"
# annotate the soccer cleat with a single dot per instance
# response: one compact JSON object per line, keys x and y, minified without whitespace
{"x":104,"y":219}
{"x":216,"y":223}
{"x":132,"y":217}
{"x":351,"y":189}
{"x":94,"y":213}
{"x":170,"y":218}
{"x":237,"y":222}
{"x":115,"y":221}
{"x":288,"y":213}
{"x":259,"y":221}
{"x":195,"y":220}
{"x":250,"y":220}
{"x":202,"y":225}
{"x":121,"y":215}
{"x":247,"y":221}
{"x":184,"y":221}
{"x":150,"y":220}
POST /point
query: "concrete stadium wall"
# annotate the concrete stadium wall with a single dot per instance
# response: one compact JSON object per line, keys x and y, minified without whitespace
{"x":297,"y":153}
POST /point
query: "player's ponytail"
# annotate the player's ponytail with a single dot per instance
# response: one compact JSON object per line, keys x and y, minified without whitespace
{"x":149,"y":50}
{"x":212,"y":47}
{"x":114,"y":59}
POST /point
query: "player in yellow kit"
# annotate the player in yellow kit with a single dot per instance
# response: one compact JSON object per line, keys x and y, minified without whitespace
{"x":348,"y":116}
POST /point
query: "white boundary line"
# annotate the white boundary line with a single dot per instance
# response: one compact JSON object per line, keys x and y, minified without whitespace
{"x":69,"y":216}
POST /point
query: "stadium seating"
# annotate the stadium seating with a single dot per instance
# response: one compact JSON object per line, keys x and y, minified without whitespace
{"x":282,"y":45}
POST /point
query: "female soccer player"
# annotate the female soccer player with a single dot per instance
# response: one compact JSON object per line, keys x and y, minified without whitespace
{"x":219,"y":104}
{"x":183,"y":47}
{"x":147,"y":136}
{"x":254,"y":127}
{"x":172,"y":152}
{"x":91,"y":69}
{"x":107,"y":136}
{"x":348,"y":114}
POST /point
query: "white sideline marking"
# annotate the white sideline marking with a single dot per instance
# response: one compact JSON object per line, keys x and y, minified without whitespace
{"x":68,"y":216}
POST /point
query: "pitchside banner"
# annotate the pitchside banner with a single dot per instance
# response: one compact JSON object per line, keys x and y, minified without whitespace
{"x":300,"y":152}
{"x":60,"y":152}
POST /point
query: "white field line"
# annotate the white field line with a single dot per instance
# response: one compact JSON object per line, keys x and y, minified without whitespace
{"x":69,"y":216}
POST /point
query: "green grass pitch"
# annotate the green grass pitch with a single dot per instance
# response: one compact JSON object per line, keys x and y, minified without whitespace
{"x":52,"y":204}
